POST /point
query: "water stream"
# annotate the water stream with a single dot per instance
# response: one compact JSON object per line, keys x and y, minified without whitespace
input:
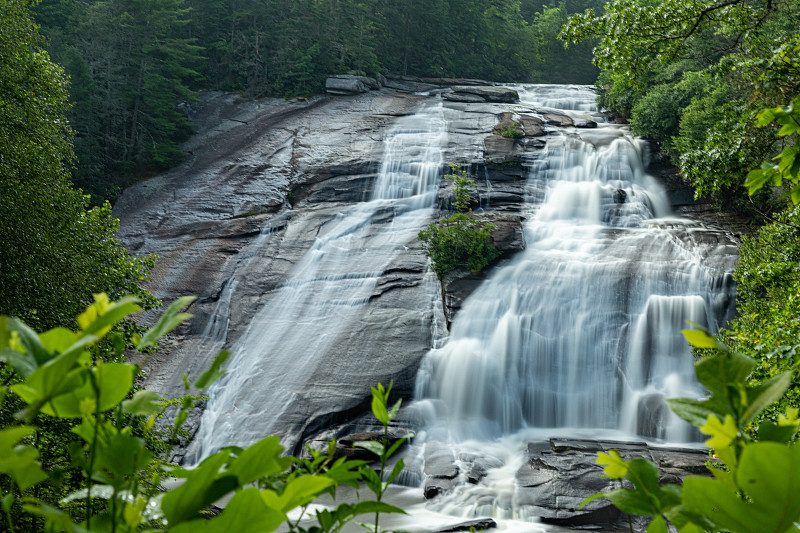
{"x":275,"y":356}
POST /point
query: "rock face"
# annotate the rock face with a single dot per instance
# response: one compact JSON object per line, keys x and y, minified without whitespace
{"x":558,"y":475}
{"x":346,"y":84}
{"x":487,"y":94}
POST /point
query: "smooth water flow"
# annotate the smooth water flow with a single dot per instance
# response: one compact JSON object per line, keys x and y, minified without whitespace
{"x":275,"y":356}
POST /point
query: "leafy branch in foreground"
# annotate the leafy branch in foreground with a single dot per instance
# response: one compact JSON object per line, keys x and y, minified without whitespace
{"x":121,"y":476}
{"x":756,"y":489}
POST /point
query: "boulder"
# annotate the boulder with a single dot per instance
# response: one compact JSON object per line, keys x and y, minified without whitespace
{"x":584,"y":123}
{"x":464,"y":98}
{"x":559,"y":120}
{"x":345,"y":85}
{"x":489,"y":94}
{"x":533,"y":126}
{"x":473,"y":525}
{"x":498,"y":149}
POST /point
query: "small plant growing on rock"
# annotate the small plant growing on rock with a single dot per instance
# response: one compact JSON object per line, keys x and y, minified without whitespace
{"x":510,"y":130}
{"x":460,"y":241}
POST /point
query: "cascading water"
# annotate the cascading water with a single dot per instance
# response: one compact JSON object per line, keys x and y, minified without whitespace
{"x":276,"y":354}
{"x":579,"y":335}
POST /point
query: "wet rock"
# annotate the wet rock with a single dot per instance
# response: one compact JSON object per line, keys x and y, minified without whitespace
{"x":463,"y":97}
{"x":499,"y":149}
{"x":584,"y":123}
{"x":562,"y":121}
{"x":489,"y":94}
{"x":472,"y":525}
{"x":533,"y":126}
{"x":440,"y":462}
{"x":619,"y":196}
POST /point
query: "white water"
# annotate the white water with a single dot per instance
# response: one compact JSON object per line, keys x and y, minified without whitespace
{"x":578,"y":336}
{"x":275,"y":356}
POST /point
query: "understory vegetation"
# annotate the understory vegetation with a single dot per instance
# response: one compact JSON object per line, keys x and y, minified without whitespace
{"x":109,"y":476}
{"x":460,"y":241}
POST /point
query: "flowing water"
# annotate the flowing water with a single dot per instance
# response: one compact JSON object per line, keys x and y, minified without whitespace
{"x":579,"y":335}
{"x":275,"y":356}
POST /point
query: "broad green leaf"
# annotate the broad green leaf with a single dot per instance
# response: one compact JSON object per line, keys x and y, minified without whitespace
{"x":101,"y":316}
{"x":375,"y":507}
{"x":50,"y":381}
{"x":143,"y":402}
{"x":699,"y":338}
{"x":246,"y":512}
{"x":213,"y":373}
{"x":722,"y":433}
{"x":379,"y":407}
{"x":768,"y":474}
{"x":632,"y":502}
{"x":20,"y":462}
{"x":297,"y":492}
{"x":28,"y":340}
{"x":113,"y":381}
{"x":57,"y":340}
{"x":764,"y":395}
{"x":657,"y":525}
{"x":722,"y":370}
{"x":371,"y":445}
{"x":769,"y":432}
{"x":616,"y":467}
{"x":24,"y":363}
{"x":122,"y":456}
{"x":168,"y":321}
{"x":204,"y":485}
{"x":696,"y":412}
{"x":259,"y":460}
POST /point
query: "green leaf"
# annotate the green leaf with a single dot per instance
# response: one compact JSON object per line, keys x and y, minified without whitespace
{"x":591,"y":498}
{"x":168,"y":321}
{"x":297,"y":492}
{"x":657,"y":525}
{"x":204,"y":485}
{"x":246,"y":512}
{"x":770,"y":432}
{"x":764,"y":395}
{"x":699,"y":338}
{"x":122,"y":456}
{"x":632,"y":502}
{"x":113,"y":381}
{"x":259,"y":460}
{"x":722,"y":370}
{"x":768,"y":475}
{"x":375,"y":507}
{"x":20,"y":461}
{"x":722,"y":433}
{"x":696,"y":412}
{"x":396,"y":444}
{"x":23,"y":363}
{"x":213,"y":373}
{"x":371,"y":445}
{"x":398,"y":467}
{"x":379,"y":407}
{"x":143,"y":402}
{"x":616,"y":467}
{"x":99,"y":318}
{"x":28,"y":340}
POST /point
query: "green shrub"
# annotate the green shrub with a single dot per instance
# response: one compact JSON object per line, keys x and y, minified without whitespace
{"x":460,"y":241}
{"x":120,"y":475}
{"x":754,"y":490}
{"x":510,"y":130}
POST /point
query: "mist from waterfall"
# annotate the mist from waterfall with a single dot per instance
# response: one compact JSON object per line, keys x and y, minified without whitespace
{"x":274,"y":358}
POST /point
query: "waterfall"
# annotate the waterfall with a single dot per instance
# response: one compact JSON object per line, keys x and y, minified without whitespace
{"x":579,"y":334}
{"x":271,"y":362}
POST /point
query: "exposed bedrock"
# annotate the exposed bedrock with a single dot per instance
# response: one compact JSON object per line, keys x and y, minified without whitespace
{"x":264,"y":179}
{"x":555,"y":478}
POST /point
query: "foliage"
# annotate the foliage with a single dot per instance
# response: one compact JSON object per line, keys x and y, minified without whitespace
{"x":55,"y":253}
{"x":510,"y":130}
{"x":768,"y":284}
{"x":460,"y":241}
{"x":757,"y":489}
{"x":121,"y":476}
{"x":738,"y":57}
